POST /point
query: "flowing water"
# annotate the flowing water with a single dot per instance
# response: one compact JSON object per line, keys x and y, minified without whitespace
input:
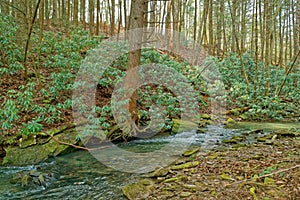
{"x":79,"y":175}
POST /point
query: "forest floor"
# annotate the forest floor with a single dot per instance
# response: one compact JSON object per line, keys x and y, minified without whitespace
{"x":259,"y":171}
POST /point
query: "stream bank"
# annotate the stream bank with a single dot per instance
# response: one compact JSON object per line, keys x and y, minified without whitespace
{"x":258,"y":164}
{"x":219,"y":159}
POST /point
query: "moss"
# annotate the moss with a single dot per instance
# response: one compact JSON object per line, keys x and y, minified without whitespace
{"x":27,"y":140}
{"x":185,"y":194}
{"x":185,"y":165}
{"x":173,"y":179}
{"x":205,"y":116}
{"x":139,"y":190}
{"x":234,"y":140}
{"x":226,"y":177}
{"x":181,"y":126}
{"x":158,"y":173}
{"x":37,"y":153}
{"x":191,"y":152}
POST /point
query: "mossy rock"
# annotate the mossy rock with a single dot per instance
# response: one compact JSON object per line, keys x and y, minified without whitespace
{"x":264,"y":138}
{"x":185,"y":194}
{"x":229,"y":123}
{"x":243,"y":117}
{"x":240,"y":145}
{"x":27,"y":141}
{"x":185,"y":165}
{"x":139,"y":190}
{"x":173,"y":179}
{"x":32,"y":178}
{"x":191,"y":152}
{"x":33,"y":154}
{"x":158,"y":173}
{"x":269,"y":181}
{"x":226,"y":177}
{"x":256,"y":131}
{"x":237,"y":111}
{"x":234,"y":140}
{"x":181,"y":126}
{"x":205,"y":116}
{"x":287,"y":134}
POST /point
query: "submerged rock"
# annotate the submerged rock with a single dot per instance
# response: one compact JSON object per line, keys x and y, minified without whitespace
{"x":32,"y":178}
{"x":139,"y":190}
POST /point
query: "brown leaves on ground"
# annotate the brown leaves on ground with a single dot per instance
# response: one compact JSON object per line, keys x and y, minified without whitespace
{"x":257,"y":171}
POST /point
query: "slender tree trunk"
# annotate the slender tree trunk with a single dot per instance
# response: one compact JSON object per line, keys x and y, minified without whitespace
{"x":46,"y":11}
{"x":91,"y":14}
{"x":98,"y":18}
{"x":120,"y":17}
{"x":54,"y":9}
{"x":125,"y":14}
{"x":210,"y":28}
{"x":28,"y":39}
{"x":163,"y":19}
{"x":112,"y":19}
{"x":168,"y":25}
{"x":219,"y":29}
{"x":153,"y":13}
{"x":195,"y":20}
{"x":233,"y":25}
{"x":223,"y":26}
{"x":63,"y":11}
{"x":243,"y":26}
{"x":75,"y":15}
{"x":280,"y":37}
{"x":256,"y":47}
{"x":203,"y":38}
{"x":262,"y":30}
{"x":296,"y":34}
{"x":267,"y":15}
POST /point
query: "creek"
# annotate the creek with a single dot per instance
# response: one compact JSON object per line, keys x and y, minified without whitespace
{"x":79,"y":175}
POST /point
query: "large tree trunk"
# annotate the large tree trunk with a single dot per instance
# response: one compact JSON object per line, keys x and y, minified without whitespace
{"x":135,"y":41}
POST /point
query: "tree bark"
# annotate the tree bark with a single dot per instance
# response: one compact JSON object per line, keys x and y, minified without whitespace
{"x":135,"y":44}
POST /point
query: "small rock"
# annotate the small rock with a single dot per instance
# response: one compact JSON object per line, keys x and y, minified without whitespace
{"x":158,"y":173}
{"x":25,"y":180}
{"x":231,"y":121}
{"x":185,"y":165}
{"x":185,"y":194}
{"x":138,"y":190}
{"x":243,"y":116}
{"x":226,"y":177}
{"x":269,"y":181}
{"x":189,"y":186}
{"x":205,"y":116}
{"x":174,"y":179}
{"x":41,"y":180}
{"x":191,"y":152}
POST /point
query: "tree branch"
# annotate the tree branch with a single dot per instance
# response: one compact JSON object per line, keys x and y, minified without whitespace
{"x":288,"y":72}
{"x":28,"y":37}
{"x":267,"y":175}
{"x":14,"y":7}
